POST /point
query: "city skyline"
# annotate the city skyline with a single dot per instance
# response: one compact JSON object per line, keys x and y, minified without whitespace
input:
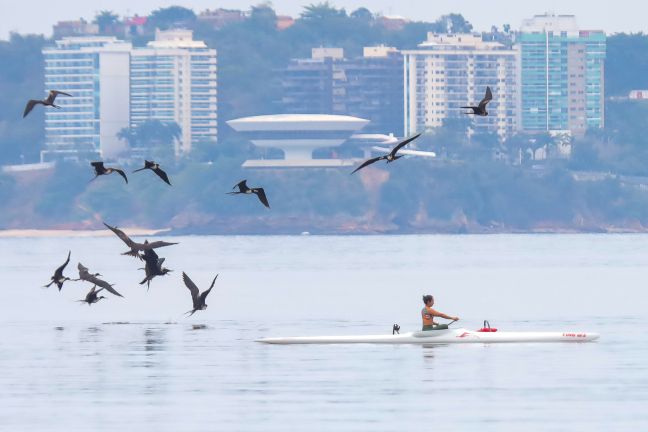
{"x":612,"y":19}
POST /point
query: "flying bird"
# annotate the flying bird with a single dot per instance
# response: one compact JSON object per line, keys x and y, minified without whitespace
{"x":244,"y":189}
{"x":155,"y":167}
{"x":58,"y":277}
{"x":92,"y":296}
{"x":153,"y":267}
{"x":480,"y":110}
{"x":391,"y":156}
{"x":49,"y":101}
{"x":197,"y":298}
{"x":85,"y":275}
{"x":136,"y":248}
{"x":101,"y":170}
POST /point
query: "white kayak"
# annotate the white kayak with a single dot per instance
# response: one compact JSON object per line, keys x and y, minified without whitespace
{"x":448,"y":336}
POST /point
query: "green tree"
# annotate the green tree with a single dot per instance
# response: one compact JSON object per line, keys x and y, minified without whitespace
{"x":362,"y":14}
{"x":106,"y":20}
{"x":625,"y":63}
{"x":174,"y":16}
{"x":21,"y":78}
{"x":322,"y":11}
{"x":152,"y":137}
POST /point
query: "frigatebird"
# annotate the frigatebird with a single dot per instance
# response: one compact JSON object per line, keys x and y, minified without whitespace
{"x":58,"y":277}
{"x":244,"y":189}
{"x":391,"y":156}
{"x":135,"y":247}
{"x":85,"y":275}
{"x":49,"y":101}
{"x":197,"y":298}
{"x":480,"y":110}
{"x":101,"y":170}
{"x":155,"y":167}
{"x":153,"y":267}
{"x":92,"y":296}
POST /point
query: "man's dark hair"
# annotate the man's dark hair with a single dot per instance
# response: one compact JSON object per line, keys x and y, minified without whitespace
{"x":427,"y":298}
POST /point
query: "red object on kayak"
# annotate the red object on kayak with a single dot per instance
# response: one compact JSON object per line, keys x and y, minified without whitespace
{"x":487,"y":328}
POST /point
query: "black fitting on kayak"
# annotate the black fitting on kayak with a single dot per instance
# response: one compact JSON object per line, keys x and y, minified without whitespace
{"x":395,"y":329}
{"x":487,"y":324}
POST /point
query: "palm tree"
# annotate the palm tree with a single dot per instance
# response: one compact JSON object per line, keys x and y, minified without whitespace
{"x":322,"y":11}
{"x":105,"y":20}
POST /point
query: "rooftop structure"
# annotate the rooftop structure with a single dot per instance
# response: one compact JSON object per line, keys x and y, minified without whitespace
{"x":297,"y":135}
{"x":74,"y":28}
{"x":452,"y":70}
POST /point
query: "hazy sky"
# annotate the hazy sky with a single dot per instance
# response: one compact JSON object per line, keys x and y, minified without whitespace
{"x":33,"y":16}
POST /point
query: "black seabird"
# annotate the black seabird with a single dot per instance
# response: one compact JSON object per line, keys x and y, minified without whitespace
{"x":58,"y":277}
{"x":155,"y":167}
{"x":480,"y":110}
{"x":153,"y":267}
{"x":197,"y":298}
{"x":92,"y":296}
{"x":244,"y":189}
{"x":101,"y":170}
{"x":85,"y":275}
{"x":136,"y":248}
{"x":391,"y":156}
{"x":49,"y":101}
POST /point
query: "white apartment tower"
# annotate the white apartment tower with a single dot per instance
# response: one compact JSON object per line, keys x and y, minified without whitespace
{"x":95,"y":70}
{"x":173,"y":79}
{"x":453,"y":70}
{"x":116,"y":86}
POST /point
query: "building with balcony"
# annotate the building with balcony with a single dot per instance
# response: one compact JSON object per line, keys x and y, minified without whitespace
{"x":449,"y":71}
{"x":173,"y":79}
{"x":562,"y":75}
{"x":116,"y":86}
{"x":95,"y":71}
{"x":369,"y":87}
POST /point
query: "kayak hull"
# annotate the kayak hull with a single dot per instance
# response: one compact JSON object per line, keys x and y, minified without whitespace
{"x":433,"y":337}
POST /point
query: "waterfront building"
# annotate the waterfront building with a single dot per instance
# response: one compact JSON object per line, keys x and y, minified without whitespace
{"x":116,"y":86}
{"x":562,"y":75}
{"x":173,"y":79}
{"x":95,"y":70}
{"x":370,"y":86}
{"x":452,"y":70}
{"x":298,"y":136}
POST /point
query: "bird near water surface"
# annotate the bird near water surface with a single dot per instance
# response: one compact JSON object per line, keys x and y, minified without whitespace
{"x":136,"y":248}
{"x":92,"y":296}
{"x":197,"y":298}
{"x":85,"y":275}
{"x":155,"y":167}
{"x":391,"y":156}
{"x":101,"y":170}
{"x":244,"y":189}
{"x":58,"y":277}
{"x":153,"y":267}
{"x":480,"y":110}
{"x":49,"y":101}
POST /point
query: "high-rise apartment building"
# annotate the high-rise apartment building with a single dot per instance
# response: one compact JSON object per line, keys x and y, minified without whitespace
{"x":95,"y":70}
{"x":453,"y":70}
{"x":562,"y":75}
{"x":116,"y":86}
{"x":173,"y":79}
{"x":369,"y":87}
{"x":310,"y":85}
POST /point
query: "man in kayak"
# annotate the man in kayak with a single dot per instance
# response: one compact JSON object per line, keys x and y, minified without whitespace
{"x":428,"y":314}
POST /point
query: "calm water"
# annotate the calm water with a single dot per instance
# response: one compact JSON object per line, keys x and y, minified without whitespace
{"x":138,"y":364}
